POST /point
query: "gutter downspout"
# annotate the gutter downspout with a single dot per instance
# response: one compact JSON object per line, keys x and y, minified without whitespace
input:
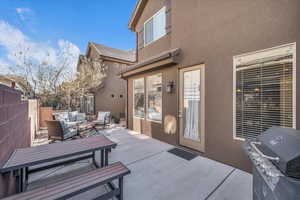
{"x":127,"y":104}
{"x":137,"y":47}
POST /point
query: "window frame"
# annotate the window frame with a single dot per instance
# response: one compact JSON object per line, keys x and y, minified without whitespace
{"x":163,"y":9}
{"x":261,"y":54}
{"x":133,"y":97}
{"x":147,"y":105}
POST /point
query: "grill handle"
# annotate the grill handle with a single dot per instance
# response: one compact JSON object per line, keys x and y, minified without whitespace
{"x":253,"y":145}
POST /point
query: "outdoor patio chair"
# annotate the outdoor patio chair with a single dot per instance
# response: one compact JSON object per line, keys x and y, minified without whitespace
{"x":74,"y":117}
{"x":58,"y":130}
{"x":60,"y":116}
{"x":103,"y":119}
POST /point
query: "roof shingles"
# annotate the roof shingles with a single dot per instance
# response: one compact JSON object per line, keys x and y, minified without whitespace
{"x":128,"y":55}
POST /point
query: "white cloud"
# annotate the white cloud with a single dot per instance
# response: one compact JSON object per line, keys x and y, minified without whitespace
{"x":14,"y":42}
{"x":11,"y":37}
{"x":25,"y":13}
{"x":4,"y":67}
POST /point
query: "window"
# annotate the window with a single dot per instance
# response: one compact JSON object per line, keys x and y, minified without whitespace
{"x":154,"y":97}
{"x":87,"y":104}
{"x":264,"y":93}
{"x":139,"y":98}
{"x":155,"y":27}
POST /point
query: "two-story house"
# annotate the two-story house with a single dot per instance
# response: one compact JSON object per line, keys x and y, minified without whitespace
{"x":109,"y":93}
{"x":211,"y":74}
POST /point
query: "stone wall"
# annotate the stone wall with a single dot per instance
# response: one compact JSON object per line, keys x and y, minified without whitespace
{"x":14,"y":131}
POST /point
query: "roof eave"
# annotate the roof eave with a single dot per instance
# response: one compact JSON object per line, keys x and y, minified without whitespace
{"x":136,"y":14}
{"x":96,"y":49}
{"x":123,"y":61}
{"x":164,"y":59}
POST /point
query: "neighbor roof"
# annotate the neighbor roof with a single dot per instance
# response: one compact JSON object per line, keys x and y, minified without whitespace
{"x":25,"y":86}
{"x":139,"y":7}
{"x":126,"y":55}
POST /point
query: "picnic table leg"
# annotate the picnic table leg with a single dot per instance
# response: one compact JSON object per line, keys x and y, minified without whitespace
{"x":106,"y":157}
{"x":18,"y":180}
{"x":120,"y":196}
{"x":26,"y":177}
{"x":22,"y":179}
{"x":102,"y":158}
{"x":94,"y":160}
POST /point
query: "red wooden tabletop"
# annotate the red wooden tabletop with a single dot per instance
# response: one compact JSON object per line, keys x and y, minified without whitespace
{"x":30,"y":156}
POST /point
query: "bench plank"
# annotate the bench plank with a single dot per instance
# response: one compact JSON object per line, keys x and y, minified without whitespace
{"x":75,"y":185}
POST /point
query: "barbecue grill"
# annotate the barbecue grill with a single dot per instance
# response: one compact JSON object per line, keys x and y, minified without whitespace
{"x":275,"y":156}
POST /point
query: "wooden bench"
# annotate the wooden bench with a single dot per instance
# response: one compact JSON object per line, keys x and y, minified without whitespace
{"x":73,"y":186}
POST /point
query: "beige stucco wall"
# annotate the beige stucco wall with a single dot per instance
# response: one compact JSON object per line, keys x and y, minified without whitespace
{"x":113,"y":85}
{"x":169,"y":107}
{"x":33,"y":115}
{"x":212,"y":32}
{"x":112,"y":96}
{"x":153,"y":48}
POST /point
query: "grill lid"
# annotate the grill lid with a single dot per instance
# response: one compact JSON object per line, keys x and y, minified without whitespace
{"x":283,"y":143}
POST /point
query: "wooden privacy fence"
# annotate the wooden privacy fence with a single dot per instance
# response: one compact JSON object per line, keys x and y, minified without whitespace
{"x":14,"y":131}
{"x":46,"y":114}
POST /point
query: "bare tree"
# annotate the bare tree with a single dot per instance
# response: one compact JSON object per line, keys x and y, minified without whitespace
{"x":91,"y":73}
{"x":90,"y":77}
{"x":53,"y":76}
{"x":45,"y":72}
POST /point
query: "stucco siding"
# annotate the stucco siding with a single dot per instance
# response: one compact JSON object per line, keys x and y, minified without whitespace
{"x":112,"y":97}
{"x":169,"y":108}
{"x":211,"y":33}
{"x":221,"y":30}
{"x":159,"y":45}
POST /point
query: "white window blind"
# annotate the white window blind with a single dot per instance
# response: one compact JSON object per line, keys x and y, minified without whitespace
{"x":263,"y":95}
{"x":149,"y":32}
{"x":159,"y":24}
{"x":155,"y":27}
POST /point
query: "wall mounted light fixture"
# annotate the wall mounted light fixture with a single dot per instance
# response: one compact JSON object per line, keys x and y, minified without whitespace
{"x":170,"y":86}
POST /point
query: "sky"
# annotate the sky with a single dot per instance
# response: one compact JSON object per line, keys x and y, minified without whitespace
{"x":51,"y":25}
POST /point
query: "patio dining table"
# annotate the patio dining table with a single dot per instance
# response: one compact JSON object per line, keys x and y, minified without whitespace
{"x":24,"y":161}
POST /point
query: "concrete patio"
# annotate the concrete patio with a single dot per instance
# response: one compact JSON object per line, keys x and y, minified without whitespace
{"x":159,"y":175}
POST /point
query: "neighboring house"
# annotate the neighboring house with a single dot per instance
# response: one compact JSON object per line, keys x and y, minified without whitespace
{"x":19,"y":84}
{"x":110,"y":93}
{"x":211,"y":74}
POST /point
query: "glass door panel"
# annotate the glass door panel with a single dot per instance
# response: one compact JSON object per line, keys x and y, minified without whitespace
{"x":191,"y":107}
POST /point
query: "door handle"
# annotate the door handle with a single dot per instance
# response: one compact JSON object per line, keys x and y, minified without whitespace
{"x":180,"y":114}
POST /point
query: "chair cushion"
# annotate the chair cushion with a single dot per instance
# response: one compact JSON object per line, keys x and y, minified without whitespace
{"x":66,"y":125}
{"x":70,"y":133}
{"x":63,"y":116}
{"x":73,"y":116}
{"x":101,"y":116}
{"x":99,"y":122}
{"x":81,"y":117}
